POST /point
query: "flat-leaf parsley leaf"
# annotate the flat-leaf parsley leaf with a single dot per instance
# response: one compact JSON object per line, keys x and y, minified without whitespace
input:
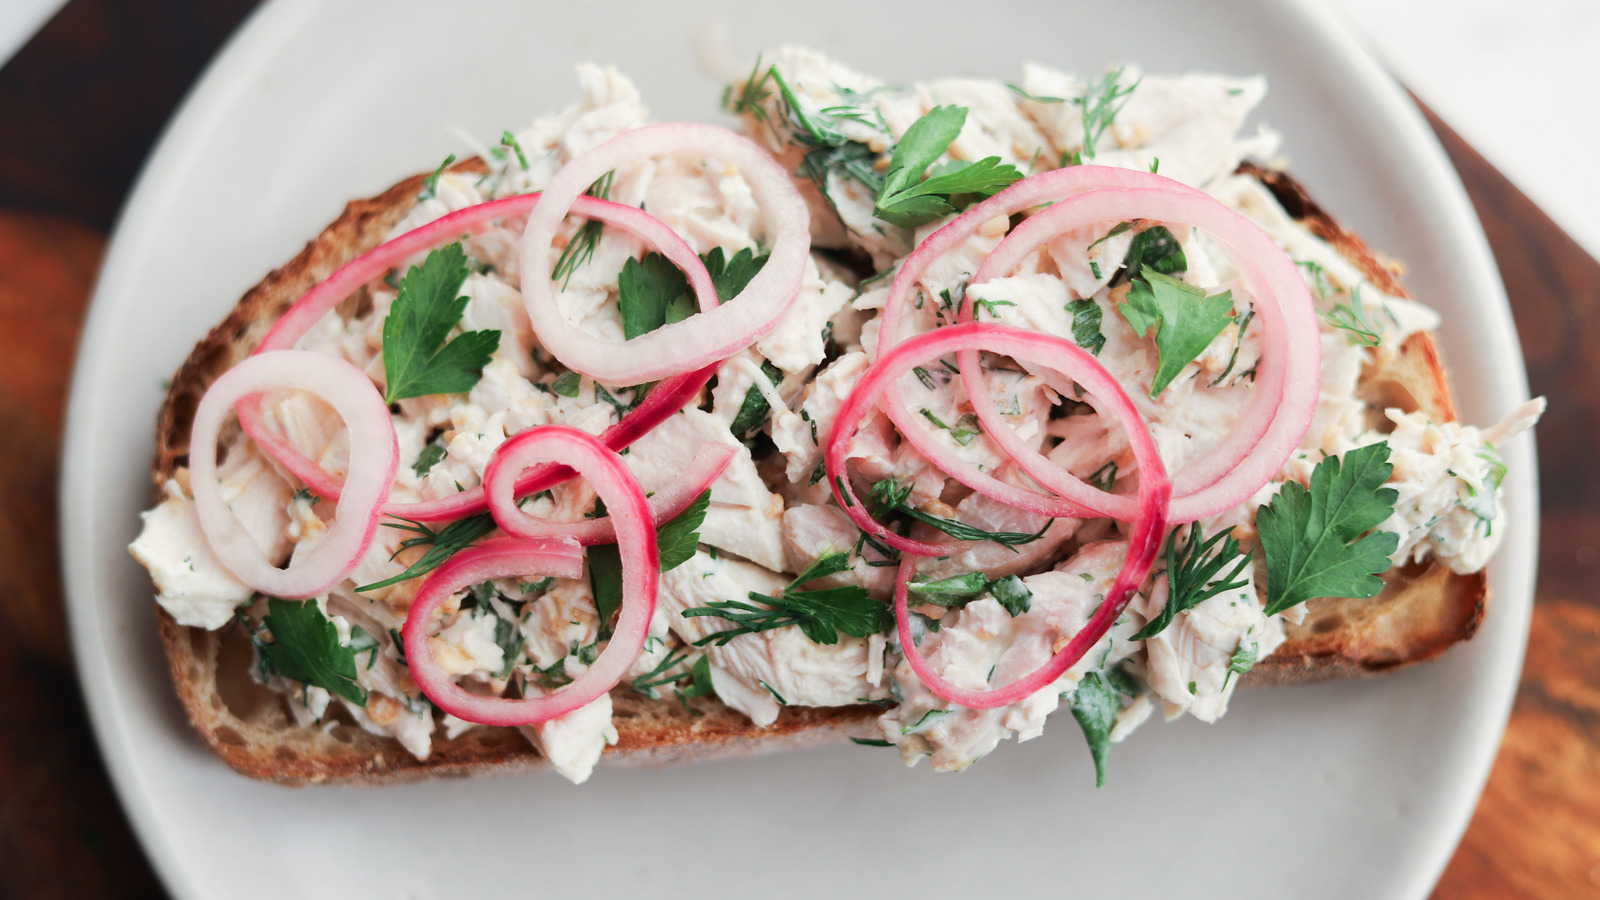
{"x":417,"y":361}
{"x":1313,"y":538}
{"x":305,"y":648}
{"x":1188,"y":320}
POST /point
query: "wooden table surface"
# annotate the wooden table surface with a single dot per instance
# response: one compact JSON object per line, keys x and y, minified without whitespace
{"x":80,"y":106}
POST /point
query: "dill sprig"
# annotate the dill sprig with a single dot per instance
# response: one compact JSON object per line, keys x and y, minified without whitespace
{"x":584,"y":241}
{"x":446,"y":542}
{"x":821,"y":614}
{"x":1192,"y":573}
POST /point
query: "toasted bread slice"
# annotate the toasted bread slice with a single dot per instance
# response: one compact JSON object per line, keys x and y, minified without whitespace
{"x":1424,"y":609}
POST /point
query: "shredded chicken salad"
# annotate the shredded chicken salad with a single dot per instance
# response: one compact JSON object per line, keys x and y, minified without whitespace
{"x":774,"y":596}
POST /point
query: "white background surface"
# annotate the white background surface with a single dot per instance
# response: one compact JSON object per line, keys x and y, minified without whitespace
{"x":1365,"y":784}
{"x":1517,"y":78}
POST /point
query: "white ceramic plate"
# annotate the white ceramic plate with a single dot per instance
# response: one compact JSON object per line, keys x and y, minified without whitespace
{"x":1337,"y":791}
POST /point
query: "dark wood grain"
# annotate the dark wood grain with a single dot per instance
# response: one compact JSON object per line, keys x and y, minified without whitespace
{"x":80,"y":107}
{"x":1536,"y":833}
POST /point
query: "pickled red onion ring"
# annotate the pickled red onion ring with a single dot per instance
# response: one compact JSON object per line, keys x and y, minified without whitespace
{"x":629,"y":515}
{"x":1058,"y":354}
{"x":500,"y":477}
{"x":315,"y":303}
{"x":1283,"y":397}
{"x":374,"y":455}
{"x":1149,"y":523}
{"x":665,"y":398}
{"x":499,"y":557}
{"x":699,"y":340}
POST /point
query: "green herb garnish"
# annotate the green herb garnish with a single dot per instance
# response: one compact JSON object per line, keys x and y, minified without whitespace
{"x":821,"y":614}
{"x":908,"y":200}
{"x":417,"y":361}
{"x":446,"y":542}
{"x":1184,"y":319}
{"x":305,"y":648}
{"x":1317,"y":541}
{"x":1193,"y":573}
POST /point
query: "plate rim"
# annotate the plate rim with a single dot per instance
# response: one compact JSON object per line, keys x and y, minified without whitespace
{"x":184,"y":136}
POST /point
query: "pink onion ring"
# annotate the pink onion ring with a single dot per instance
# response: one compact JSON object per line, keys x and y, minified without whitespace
{"x":699,"y":340}
{"x":374,"y":453}
{"x":1284,"y":396}
{"x":500,"y":557}
{"x":665,"y":398}
{"x":1149,"y":524}
{"x":1058,"y":354}
{"x":630,"y":516}
{"x":499,"y":480}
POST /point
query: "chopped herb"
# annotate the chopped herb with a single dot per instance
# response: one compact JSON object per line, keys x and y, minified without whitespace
{"x":775,"y":695}
{"x":1086,"y":324}
{"x":361,"y":642}
{"x":1238,"y":339}
{"x":552,"y":676}
{"x":428,"y":458}
{"x":928,"y":720}
{"x":753,"y":412}
{"x":304,"y":495}
{"x":1101,"y":104}
{"x":957,"y":590}
{"x":678,"y":537}
{"x":889,"y":497}
{"x":1104,"y":477}
{"x":605,"y":582}
{"x":1157,"y":248}
{"x":699,"y":684}
{"x":446,"y":542}
{"x":509,"y":141}
{"x":661,"y":676}
{"x":1351,"y":316}
{"x":1193,"y":573}
{"x":430,"y":185}
{"x":1188,"y":321}
{"x":908,"y":200}
{"x":1317,"y":278}
{"x":567,"y":384}
{"x":1012,"y":594}
{"x":871,"y":742}
{"x":584,"y":241}
{"x":1095,"y":704}
{"x":1119,"y":228}
{"x":508,"y":637}
{"x":417,"y":360}
{"x":805,"y":416}
{"x":645,"y":289}
{"x":1242,"y":661}
{"x":534,"y":587}
{"x":821,"y":614}
{"x":305,"y":648}
{"x":1027,"y":96}
{"x":981,"y":303}
{"x":1317,"y":541}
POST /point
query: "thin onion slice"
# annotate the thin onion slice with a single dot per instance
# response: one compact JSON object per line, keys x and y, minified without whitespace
{"x":1055,"y":353}
{"x":500,"y":478}
{"x":630,"y":516}
{"x":374,"y":455}
{"x":500,"y":557}
{"x":1284,"y":395}
{"x":699,"y":340}
{"x":1149,"y":523}
{"x":666,"y":398}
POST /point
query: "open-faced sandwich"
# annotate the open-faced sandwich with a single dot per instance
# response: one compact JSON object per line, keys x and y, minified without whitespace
{"x":911,"y":415}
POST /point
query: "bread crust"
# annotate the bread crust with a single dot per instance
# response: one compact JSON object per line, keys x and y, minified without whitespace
{"x":1423,"y":610}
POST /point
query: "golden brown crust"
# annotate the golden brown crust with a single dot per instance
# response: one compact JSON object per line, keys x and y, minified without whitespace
{"x":1423,"y":610}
